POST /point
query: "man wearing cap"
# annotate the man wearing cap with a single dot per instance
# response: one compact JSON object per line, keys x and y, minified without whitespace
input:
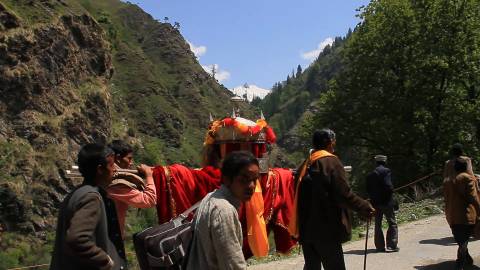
{"x":323,"y":201}
{"x":380,"y":191}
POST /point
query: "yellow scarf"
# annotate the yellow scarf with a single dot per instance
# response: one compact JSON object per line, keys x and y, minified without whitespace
{"x":293,"y":224}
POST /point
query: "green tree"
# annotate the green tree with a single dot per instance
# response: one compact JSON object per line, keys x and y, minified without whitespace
{"x":299,"y":71}
{"x":410,"y":83}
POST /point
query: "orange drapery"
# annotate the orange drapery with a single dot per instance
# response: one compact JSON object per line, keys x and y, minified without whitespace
{"x":256,"y":227}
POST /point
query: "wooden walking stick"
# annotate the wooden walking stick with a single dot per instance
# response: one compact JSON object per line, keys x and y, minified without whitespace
{"x":366,"y":245}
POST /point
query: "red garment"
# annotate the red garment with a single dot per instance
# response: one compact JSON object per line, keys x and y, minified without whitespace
{"x":184,"y":187}
{"x":278,"y":195}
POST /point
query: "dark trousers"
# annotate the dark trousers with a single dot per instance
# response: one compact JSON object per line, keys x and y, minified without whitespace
{"x":461,"y":234}
{"x":327,"y":254}
{"x":392,"y":232}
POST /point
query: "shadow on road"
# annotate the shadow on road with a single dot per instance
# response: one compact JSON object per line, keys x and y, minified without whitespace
{"x":446,"y":241}
{"x":447,"y":265}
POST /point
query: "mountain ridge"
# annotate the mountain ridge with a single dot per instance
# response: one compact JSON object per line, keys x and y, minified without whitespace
{"x":78,"y":71}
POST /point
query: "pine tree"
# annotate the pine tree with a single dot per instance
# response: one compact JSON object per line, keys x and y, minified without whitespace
{"x":299,"y":71}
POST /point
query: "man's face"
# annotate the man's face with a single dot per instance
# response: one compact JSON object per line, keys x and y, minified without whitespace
{"x":243,"y":185}
{"x":125,"y":162}
{"x":105,"y":173}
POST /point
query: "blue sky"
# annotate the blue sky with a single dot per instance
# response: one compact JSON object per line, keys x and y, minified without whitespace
{"x":256,"y":42}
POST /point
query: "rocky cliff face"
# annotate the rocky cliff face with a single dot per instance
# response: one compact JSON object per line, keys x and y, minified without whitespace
{"x":44,"y":116}
{"x":78,"y":71}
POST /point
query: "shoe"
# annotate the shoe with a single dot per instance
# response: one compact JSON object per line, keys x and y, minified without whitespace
{"x":381,"y":250}
{"x":395,"y":249}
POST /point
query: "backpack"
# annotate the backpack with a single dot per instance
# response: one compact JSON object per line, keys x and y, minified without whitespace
{"x":165,"y":246}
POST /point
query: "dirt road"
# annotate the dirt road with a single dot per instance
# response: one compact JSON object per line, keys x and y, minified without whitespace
{"x":425,"y":244}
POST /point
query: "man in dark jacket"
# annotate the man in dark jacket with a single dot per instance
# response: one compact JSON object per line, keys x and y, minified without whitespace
{"x":324,"y":204}
{"x":88,"y":234}
{"x":380,"y":191}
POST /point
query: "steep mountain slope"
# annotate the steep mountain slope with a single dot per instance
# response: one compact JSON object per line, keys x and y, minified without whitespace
{"x":292,"y":102}
{"x":77,"y":71}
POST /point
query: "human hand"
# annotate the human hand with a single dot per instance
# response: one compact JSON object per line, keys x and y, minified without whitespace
{"x":368,"y":212}
{"x":145,"y":170}
{"x":109,"y":265}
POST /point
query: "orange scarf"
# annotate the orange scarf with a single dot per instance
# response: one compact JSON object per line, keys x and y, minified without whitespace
{"x":293,"y":226}
{"x":256,"y":227}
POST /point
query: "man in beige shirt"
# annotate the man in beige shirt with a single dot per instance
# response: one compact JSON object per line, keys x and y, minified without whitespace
{"x":217,"y":240}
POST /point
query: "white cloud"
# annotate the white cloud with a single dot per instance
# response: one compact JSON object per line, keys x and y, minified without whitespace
{"x":220,"y":75}
{"x":198,"y":51}
{"x":312,"y":55}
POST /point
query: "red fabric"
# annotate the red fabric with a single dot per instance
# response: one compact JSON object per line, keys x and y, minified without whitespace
{"x":271,"y":137}
{"x":187,"y":186}
{"x":183,"y":188}
{"x":278,"y":194}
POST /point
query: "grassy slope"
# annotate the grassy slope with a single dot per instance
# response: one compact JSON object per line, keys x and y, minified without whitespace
{"x":158,"y":87}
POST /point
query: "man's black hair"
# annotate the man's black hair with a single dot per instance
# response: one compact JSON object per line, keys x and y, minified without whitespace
{"x":456,"y":150}
{"x":120,"y":147}
{"x":235,"y":161}
{"x":89,"y":158}
{"x":460,"y":165}
{"x":321,"y":138}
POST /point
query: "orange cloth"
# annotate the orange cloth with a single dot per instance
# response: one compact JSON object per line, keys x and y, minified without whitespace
{"x":293,"y":226}
{"x":256,"y":227}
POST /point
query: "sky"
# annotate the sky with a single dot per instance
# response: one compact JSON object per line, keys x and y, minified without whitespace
{"x":257,"y":42}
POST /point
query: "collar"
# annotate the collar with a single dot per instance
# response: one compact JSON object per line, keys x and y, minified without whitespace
{"x":225,"y":191}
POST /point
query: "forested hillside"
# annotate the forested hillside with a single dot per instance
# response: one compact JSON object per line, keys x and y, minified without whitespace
{"x":405,"y":83}
{"x":294,"y":99}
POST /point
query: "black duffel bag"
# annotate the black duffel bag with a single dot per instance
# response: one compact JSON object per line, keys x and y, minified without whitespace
{"x":165,"y":246}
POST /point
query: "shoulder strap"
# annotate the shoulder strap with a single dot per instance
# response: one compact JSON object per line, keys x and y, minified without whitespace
{"x":180,"y":218}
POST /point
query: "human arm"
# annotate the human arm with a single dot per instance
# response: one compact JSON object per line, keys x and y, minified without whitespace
{"x":145,"y":198}
{"x":227,"y":239}
{"x":80,"y":235}
{"x":344,"y":192}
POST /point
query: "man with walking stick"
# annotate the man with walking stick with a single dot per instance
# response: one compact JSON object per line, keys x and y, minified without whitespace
{"x":323,"y":200}
{"x":380,"y":191}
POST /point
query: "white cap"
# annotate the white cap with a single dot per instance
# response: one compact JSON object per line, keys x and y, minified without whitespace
{"x":380,"y":158}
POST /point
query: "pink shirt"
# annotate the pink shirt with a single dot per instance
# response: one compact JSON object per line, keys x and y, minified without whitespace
{"x":124,"y":196}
